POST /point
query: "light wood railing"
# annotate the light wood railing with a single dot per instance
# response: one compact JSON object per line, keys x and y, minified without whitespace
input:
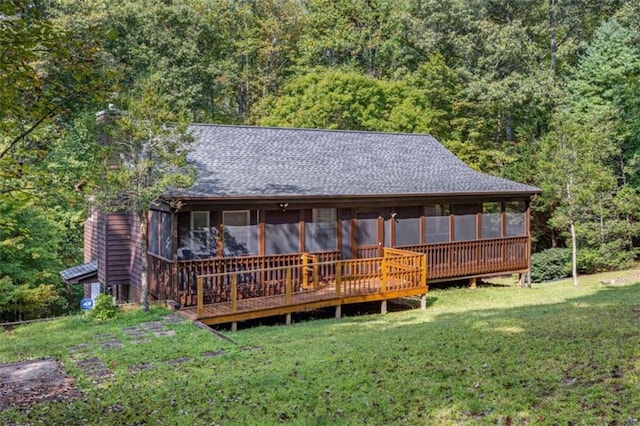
{"x":398,"y":270}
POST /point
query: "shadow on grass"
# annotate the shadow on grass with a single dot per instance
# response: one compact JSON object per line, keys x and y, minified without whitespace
{"x":348,"y":311}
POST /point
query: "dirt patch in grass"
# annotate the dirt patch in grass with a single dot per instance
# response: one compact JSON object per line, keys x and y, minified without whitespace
{"x":28,"y":382}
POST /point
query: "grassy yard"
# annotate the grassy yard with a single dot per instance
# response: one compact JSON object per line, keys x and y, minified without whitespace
{"x":498,"y":354}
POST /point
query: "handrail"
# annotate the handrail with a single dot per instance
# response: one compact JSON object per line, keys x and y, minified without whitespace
{"x":358,"y":281}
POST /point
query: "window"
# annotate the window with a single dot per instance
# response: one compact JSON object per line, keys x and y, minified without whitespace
{"x":240,"y":236}
{"x":320,"y":233}
{"x":437,"y":223}
{"x":153,"y":232}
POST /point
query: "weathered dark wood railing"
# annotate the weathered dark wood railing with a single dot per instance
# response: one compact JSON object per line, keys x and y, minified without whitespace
{"x":468,"y":258}
{"x":160,"y":272}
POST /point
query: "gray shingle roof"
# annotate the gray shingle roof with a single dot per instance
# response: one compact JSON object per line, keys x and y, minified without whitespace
{"x":243,"y":161}
{"x":77,"y":272}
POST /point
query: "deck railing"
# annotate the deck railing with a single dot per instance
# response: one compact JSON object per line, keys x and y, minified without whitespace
{"x":468,"y":258}
{"x":267,"y":270}
{"x":397,"y":270}
{"x":177,"y":280}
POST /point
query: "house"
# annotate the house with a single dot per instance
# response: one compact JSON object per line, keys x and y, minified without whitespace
{"x":281,"y":212}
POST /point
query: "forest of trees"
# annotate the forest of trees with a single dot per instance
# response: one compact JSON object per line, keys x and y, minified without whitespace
{"x":544,"y":92}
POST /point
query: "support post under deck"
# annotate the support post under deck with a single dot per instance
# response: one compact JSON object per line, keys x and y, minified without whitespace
{"x":383,"y":307}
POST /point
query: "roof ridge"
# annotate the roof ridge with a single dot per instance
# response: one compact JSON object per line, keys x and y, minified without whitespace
{"x":306,"y":129}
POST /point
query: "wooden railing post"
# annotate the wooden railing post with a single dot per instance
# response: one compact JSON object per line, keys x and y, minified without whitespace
{"x":200,"y":295}
{"x":316,"y":275}
{"x":234,"y":292}
{"x":305,"y":275}
{"x":338,"y":279}
{"x":288,"y":286}
{"x":383,"y":283}
{"x":423,"y":278}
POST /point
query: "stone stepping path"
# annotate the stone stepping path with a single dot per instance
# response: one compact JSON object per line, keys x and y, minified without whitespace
{"x":80,"y":351}
{"x":143,"y":366}
{"x":111,"y":344}
{"x":209,"y":354}
{"x":177,"y":361}
{"x":134,"y":331}
{"x":152,"y":326}
{"x":173,"y":319}
{"x":94,"y":367}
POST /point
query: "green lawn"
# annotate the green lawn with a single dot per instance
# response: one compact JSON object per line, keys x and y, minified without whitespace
{"x":498,"y":354}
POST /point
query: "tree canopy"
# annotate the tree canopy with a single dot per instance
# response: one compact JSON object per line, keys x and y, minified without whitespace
{"x":545,"y":93}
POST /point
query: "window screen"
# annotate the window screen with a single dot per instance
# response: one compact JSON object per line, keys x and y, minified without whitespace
{"x":407,"y":222}
{"x":240,"y":236}
{"x":282,"y":232}
{"x":516,"y":215}
{"x":320,"y":233}
{"x":166,"y":249}
{"x":153,"y":232}
{"x":465,"y":227}
{"x":437,"y":224}
{"x":367,"y":229}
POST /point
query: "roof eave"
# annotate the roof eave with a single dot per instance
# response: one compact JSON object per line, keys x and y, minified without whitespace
{"x":319,"y":197}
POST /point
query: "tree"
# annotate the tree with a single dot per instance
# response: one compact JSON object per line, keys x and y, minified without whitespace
{"x":573,"y":162}
{"x":45,"y":71}
{"x":144,"y":157}
{"x":32,"y":243}
{"x":336,"y":99}
{"x":364,"y":36}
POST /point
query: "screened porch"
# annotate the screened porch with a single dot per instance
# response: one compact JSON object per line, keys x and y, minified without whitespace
{"x":459,"y":240}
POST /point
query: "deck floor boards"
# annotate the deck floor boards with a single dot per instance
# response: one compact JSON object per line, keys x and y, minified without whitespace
{"x":217,"y":313}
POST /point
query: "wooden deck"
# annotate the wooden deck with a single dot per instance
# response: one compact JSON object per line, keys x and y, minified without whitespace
{"x":260,"y":307}
{"x":398,"y":273}
{"x":177,"y":280}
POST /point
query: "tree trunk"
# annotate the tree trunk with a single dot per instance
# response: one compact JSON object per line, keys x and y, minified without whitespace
{"x":574,"y":255}
{"x":144,"y":275}
{"x":552,"y":34}
{"x":572,"y":229}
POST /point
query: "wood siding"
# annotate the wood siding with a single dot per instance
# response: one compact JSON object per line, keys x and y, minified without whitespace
{"x":113,"y":239}
{"x":91,"y":236}
{"x":118,"y":248}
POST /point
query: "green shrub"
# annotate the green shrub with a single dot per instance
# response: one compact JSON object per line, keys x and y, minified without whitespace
{"x":550,"y":264}
{"x":104,"y":308}
{"x":607,"y":257}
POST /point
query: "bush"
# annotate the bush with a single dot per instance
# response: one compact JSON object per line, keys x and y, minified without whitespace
{"x":104,"y":308}
{"x":607,"y":257}
{"x":550,"y":264}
